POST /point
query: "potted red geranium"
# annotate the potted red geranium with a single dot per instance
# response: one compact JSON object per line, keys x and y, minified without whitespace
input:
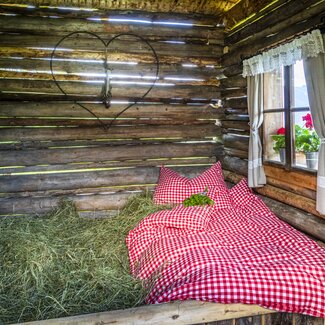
{"x":279,"y":143}
{"x":308,"y":141}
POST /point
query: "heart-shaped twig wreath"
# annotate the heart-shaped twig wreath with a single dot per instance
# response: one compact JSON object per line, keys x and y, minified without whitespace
{"x":106,"y":94}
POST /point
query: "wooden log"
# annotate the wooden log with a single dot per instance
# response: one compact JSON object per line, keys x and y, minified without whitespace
{"x":90,"y":179}
{"x":125,"y":45}
{"x":233,"y":93}
{"x":297,"y":178}
{"x":176,"y":313}
{"x":236,"y":141}
{"x":233,"y":82}
{"x":236,"y":103}
{"x":241,"y":11}
{"x":115,"y":132}
{"x":303,"y":221}
{"x":145,"y":70}
{"x":234,"y":164}
{"x":164,"y":90}
{"x":243,"y":154}
{"x":52,"y":26}
{"x":30,"y":145}
{"x":236,"y":111}
{"x":63,"y":78}
{"x":281,"y":11}
{"x":273,"y":35}
{"x":233,"y":70}
{"x":283,"y":184}
{"x":184,"y":7}
{"x":196,"y":20}
{"x":99,"y":54}
{"x":94,"y":89}
{"x":41,"y":205}
{"x":41,"y":97}
{"x":289,"y":198}
{"x":105,"y":153}
{"x":235,"y":125}
{"x":89,"y":166}
{"x":71,"y":110}
{"x":93,"y":122}
{"x":237,"y":117}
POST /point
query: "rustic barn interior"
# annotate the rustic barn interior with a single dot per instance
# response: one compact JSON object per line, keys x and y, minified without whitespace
{"x":97,"y":95}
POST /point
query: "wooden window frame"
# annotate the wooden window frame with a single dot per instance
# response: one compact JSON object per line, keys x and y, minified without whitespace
{"x":288,"y":111}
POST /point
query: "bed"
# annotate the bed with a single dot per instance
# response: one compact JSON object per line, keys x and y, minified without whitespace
{"x":236,"y":251}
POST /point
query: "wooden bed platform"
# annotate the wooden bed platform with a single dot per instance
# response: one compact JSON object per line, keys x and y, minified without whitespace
{"x":187,"y":313}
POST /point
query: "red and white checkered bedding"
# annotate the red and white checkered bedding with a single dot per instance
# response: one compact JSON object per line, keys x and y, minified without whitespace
{"x":237,"y":254}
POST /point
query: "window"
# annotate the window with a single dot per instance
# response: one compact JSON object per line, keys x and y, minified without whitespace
{"x":289,"y":137}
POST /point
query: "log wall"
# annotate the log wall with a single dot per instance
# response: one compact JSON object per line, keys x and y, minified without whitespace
{"x":280,"y":21}
{"x":51,"y":147}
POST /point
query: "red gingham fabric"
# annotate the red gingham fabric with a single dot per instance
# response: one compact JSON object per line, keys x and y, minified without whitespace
{"x":174,"y":188}
{"x":235,"y":256}
{"x":241,"y":193}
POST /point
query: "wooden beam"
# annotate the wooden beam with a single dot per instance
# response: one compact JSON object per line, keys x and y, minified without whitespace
{"x":74,"y":111}
{"x":75,"y":179}
{"x":271,"y":36}
{"x":197,"y":20}
{"x":185,"y":48}
{"x":165,"y":70}
{"x":75,"y":77}
{"x":99,"y":54}
{"x":242,"y":11}
{"x":175,"y":313}
{"x":115,"y":132}
{"x":105,"y":153}
{"x":61,"y":27}
{"x":277,"y":13}
{"x":132,"y":89}
{"x":184,"y":6}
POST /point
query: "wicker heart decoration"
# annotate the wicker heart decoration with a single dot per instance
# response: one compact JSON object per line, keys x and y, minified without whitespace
{"x":105,"y":95}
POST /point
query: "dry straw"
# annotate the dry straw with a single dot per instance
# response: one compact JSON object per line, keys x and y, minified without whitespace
{"x":62,"y":265}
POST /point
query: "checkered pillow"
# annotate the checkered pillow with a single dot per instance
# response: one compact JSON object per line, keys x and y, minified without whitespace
{"x":221,"y":198}
{"x":242,"y":193}
{"x":191,"y":218}
{"x":174,"y":188}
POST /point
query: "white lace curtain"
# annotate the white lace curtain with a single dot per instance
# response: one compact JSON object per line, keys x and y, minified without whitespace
{"x":309,"y":45}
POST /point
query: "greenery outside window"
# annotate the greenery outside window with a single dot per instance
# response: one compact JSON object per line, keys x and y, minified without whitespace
{"x":289,"y":137}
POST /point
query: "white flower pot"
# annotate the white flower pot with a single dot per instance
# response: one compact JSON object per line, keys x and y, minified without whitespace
{"x":312,"y":159}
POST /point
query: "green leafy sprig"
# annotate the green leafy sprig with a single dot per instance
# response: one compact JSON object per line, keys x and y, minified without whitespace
{"x":198,"y":199}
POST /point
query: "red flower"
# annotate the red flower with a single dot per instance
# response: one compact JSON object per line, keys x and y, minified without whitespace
{"x":309,"y":122}
{"x":281,"y":131}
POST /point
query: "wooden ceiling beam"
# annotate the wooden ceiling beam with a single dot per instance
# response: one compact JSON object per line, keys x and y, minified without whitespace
{"x":245,"y":10}
{"x":171,"y":6}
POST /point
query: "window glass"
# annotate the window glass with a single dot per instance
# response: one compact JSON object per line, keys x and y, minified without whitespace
{"x":273,"y":90}
{"x":300,"y":96}
{"x":286,"y":113}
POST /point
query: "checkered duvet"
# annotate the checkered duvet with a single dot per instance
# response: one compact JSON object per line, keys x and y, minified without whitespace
{"x":238,"y":254}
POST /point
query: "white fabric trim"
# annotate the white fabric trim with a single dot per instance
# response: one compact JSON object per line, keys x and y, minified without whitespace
{"x":306,"y":46}
{"x":321,"y":181}
{"x":252,"y":164}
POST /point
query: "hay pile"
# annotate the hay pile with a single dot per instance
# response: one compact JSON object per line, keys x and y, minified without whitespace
{"x":64,"y":265}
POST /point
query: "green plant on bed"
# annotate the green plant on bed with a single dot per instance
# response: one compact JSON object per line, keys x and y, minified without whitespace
{"x":63,"y":265}
{"x":198,"y":199}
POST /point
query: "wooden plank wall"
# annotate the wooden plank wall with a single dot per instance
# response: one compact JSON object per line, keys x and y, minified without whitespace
{"x":51,"y":148}
{"x":280,"y":21}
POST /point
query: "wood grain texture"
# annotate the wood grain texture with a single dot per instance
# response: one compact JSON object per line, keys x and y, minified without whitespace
{"x":101,"y":154}
{"x":183,"y":6}
{"x":176,"y":313}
